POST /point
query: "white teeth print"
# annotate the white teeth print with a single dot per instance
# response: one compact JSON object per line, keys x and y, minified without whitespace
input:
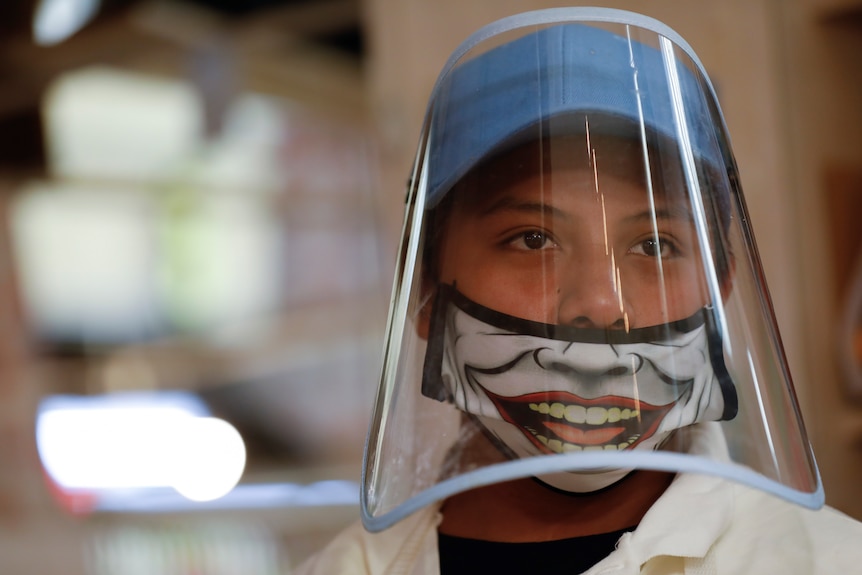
{"x":558,"y":446}
{"x":576,"y":414}
{"x":583,"y":415}
{"x":597,"y":415}
{"x":557,"y":410}
{"x":580,"y":414}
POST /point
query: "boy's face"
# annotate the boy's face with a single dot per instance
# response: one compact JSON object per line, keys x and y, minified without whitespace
{"x":582,"y":245}
{"x":575,"y":245}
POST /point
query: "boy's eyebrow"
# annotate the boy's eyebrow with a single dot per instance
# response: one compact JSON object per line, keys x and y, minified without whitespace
{"x":508,"y":203}
{"x":666,"y":213}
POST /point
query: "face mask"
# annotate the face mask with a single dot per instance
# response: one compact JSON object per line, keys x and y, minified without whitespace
{"x":540,"y":389}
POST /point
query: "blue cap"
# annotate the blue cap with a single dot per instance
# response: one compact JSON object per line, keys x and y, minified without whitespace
{"x":506,"y":96}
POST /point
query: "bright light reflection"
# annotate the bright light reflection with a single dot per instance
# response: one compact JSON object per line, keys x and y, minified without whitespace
{"x":213,"y":459}
{"x":111,"y":447}
{"x":56,"y":20}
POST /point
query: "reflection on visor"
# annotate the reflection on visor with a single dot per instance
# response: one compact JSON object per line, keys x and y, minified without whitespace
{"x":545,"y":389}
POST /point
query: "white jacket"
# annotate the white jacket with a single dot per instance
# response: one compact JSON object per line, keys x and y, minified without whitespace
{"x":701,"y":525}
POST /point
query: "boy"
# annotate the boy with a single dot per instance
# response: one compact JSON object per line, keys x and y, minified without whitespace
{"x":582,"y":373}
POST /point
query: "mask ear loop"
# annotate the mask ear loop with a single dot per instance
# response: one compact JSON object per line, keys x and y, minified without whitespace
{"x":432,"y":378}
{"x":719,"y":367}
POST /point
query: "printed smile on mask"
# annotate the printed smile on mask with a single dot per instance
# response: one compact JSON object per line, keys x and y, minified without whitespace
{"x":561,"y":422}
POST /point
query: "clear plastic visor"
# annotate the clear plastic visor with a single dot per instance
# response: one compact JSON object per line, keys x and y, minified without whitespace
{"x":578,"y":291}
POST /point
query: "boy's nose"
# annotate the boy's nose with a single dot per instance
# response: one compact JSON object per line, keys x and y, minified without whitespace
{"x":590,"y":294}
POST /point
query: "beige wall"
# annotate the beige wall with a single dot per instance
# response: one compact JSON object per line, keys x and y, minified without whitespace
{"x":823,"y":88}
{"x":764,"y":58}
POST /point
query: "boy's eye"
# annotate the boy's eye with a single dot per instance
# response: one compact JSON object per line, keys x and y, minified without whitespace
{"x":654,"y":247}
{"x":533,"y":240}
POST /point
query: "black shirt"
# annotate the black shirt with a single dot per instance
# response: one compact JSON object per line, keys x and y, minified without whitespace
{"x":573,"y":556}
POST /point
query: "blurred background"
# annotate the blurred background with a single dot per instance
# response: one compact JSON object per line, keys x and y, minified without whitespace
{"x":200,"y":203}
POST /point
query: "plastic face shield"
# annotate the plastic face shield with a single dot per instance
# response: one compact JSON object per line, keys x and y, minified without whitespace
{"x":578,"y":293}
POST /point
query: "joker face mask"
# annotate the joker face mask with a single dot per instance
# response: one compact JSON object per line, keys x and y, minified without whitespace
{"x":544,"y":389}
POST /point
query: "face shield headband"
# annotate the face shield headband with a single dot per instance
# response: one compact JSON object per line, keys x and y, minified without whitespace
{"x":540,"y":389}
